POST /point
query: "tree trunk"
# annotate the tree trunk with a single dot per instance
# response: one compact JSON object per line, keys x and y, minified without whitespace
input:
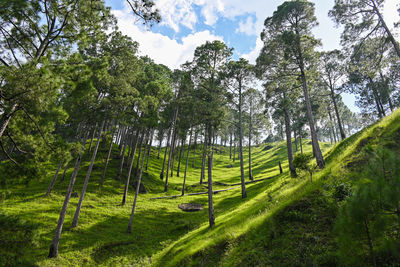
{"x":333,"y":128}
{"x":250,"y":127}
{"x":103,"y":175}
{"x":85,"y":184}
{"x":194,"y":149}
{"x":159,"y":146}
{"x":65,"y":171}
{"x":91,"y":139}
{"x":53,"y":181}
{"x":289,"y":143}
{"x":121,"y":165}
{"x":140,"y":154}
{"x":301,"y":143}
{"x":342,"y":134}
{"x":53,"y":251}
{"x":130,"y":167}
{"x":203,"y":164}
{"x":314,"y":139}
{"x":149,"y":150}
{"x":295,"y":139}
{"x":6,"y":119}
{"x":165,"y":154}
{"x":180,"y":156}
{"x":139,"y":179}
{"x":390,"y":35}
{"x":244,"y":194}
{"x":211,"y":217}
{"x":173,"y":153}
{"x":230,"y":145}
{"x":280,"y":167}
{"x":187,"y":162}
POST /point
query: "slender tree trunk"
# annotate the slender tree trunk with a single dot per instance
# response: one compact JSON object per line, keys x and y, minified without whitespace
{"x":131,"y":165}
{"x":234,"y":148}
{"x":250,"y":128}
{"x":165,"y":154}
{"x":230,"y":145}
{"x":53,"y":251}
{"x":280,"y":167}
{"x":140,"y":154}
{"x":295,"y":139}
{"x":65,"y":171}
{"x":85,"y":184}
{"x":6,"y":119}
{"x":53,"y":181}
{"x":194,"y":149}
{"x":314,"y":139}
{"x":203,"y":164}
{"x":103,"y":175}
{"x":139,"y":179}
{"x":332,"y":126}
{"x":172,"y":156}
{"x":211,"y":217}
{"x":244,"y":194}
{"x":301,"y":143}
{"x":121,"y":165}
{"x":289,"y":143}
{"x":91,"y":139}
{"x":390,"y":35}
{"x":342,"y":134}
{"x":149,"y":149}
{"x":187,"y":162}
{"x":180,"y":155}
{"x":159,"y":146}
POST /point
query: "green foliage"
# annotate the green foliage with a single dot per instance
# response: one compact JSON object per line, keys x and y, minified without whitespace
{"x":301,"y":161}
{"x":16,"y":238}
{"x":369,"y":221}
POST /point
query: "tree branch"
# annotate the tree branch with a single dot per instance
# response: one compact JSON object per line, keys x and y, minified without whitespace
{"x":8,"y":156}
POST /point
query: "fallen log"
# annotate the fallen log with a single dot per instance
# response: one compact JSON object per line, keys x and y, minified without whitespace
{"x":194,"y":194}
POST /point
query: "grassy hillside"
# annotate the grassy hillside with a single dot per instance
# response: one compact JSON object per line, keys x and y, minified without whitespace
{"x":284,"y":221}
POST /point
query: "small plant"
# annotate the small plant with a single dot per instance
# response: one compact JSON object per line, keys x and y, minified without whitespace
{"x":302,"y":162}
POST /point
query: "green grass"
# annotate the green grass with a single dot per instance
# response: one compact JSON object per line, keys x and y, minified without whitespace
{"x":262,"y":229}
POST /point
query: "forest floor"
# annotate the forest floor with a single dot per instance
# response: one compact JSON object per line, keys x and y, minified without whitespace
{"x":262,"y":229}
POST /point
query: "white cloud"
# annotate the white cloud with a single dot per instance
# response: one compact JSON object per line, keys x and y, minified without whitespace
{"x":253,"y":54}
{"x":161,"y":48}
{"x":248,"y":27}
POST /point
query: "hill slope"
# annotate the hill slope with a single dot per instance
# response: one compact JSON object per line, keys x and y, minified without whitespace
{"x":283,"y":220}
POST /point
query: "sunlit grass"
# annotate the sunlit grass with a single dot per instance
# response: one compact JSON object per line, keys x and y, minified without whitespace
{"x":162,"y":233}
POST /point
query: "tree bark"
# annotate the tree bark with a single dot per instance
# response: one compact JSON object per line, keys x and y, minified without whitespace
{"x":91,"y":139}
{"x":6,"y":119}
{"x":230,"y":145}
{"x":194,"y":149}
{"x":139,"y":179}
{"x":244,"y":194}
{"x":85,"y":184}
{"x":65,"y":171}
{"x":289,"y":143}
{"x":390,"y":35}
{"x":187,"y":162}
{"x":180,"y":156}
{"x":165,"y":154}
{"x":314,"y":139}
{"x":342,"y":134}
{"x":149,"y":149}
{"x":203,"y":164}
{"x":159,"y":146}
{"x":250,"y":128}
{"x":211,"y":217}
{"x":53,"y":251}
{"x":53,"y":181}
{"x":103,"y":175}
{"x":124,"y":145}
{"x":130,"y":166}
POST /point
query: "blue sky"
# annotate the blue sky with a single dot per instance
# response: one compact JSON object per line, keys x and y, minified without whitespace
{"x":187,"y":24}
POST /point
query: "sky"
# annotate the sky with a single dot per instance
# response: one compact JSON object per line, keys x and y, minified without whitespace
{"x":187,"y":24}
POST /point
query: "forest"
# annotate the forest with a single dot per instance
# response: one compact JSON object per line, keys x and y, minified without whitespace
{"x":108,"y":158}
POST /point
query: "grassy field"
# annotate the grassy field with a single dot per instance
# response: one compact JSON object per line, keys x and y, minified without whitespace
{"x":279,"y":221}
